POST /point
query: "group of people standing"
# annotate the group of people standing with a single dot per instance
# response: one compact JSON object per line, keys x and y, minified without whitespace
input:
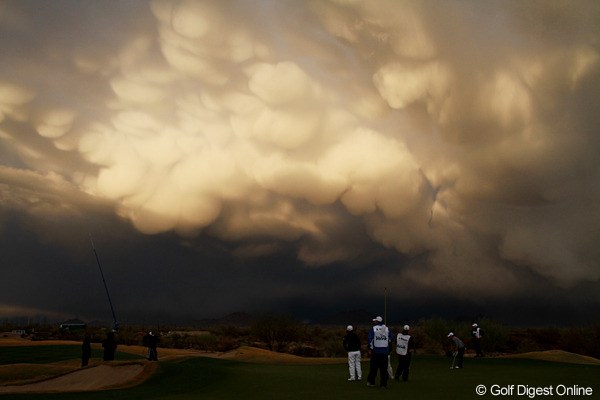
{"x":109,"y":346}
{"x":380,"y":345}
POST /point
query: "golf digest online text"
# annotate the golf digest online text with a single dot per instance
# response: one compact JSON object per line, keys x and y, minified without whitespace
{"x":534,"y":391}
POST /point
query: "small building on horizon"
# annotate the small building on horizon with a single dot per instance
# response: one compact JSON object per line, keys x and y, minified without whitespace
{"x":73,"y":324}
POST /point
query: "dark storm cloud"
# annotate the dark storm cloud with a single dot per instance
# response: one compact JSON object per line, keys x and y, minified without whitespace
{"x":238,"y":154}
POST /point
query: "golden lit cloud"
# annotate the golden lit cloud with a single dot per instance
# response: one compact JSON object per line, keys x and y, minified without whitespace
{"x":461,"y":136}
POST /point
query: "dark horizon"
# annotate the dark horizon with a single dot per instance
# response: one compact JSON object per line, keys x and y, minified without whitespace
{"x":299,"y":157}
{"x":340,"y":317}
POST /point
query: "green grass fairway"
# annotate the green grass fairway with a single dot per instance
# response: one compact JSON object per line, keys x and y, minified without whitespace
{"x":431,"y":378}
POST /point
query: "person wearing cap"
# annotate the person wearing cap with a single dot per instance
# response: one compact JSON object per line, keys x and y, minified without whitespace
{"x":476,"y":335}
{"x":351,"y":344}
{"x":459,"y":349}
{"x":404,"y":348}
{"x":151,"y":342}
{"x":379,"y":344}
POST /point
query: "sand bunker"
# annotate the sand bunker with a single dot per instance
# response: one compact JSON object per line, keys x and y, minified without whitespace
{"x":101,"y":377}
{"x":114,"y":375}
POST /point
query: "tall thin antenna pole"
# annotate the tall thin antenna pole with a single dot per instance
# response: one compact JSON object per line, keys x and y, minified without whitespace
{"x":385,"y":306}
{"x":115,"y":323}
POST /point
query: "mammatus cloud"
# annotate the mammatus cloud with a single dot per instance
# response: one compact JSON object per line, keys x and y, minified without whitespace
{"x":461,"y":135}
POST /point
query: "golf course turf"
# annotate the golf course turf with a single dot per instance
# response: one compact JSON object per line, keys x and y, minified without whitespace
{"x":431,"y":378}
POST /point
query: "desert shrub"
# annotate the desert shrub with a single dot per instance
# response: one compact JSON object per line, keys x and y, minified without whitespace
{"x":423,"y":342}
{"x":545,"y":338}
{"x":174,"y":341}
{"x":495,"y":336}
{"x":231,"y":331}
{"x":128,"y":336}
{"x":431,"y":335}
{"x":582,"y":340}
{"x":207,"y":342}
{"x":527,"y":345}
{"x":316,"y":331}
{"x":276,"y":332}
{"x":204,"y":341}
{"x":304,"y":350}
{"x":323,"y":341}
{"x":332,"y":347}
{"x":226,"y":343}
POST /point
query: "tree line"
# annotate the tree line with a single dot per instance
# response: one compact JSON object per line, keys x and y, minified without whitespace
{"x":284,"y":334}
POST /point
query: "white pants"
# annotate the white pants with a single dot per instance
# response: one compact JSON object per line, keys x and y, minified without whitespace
{"x":354,"y":365}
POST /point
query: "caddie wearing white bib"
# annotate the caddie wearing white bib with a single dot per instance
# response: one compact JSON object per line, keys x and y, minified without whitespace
{"x":379,"y":345}
{"x":476,"y":335}
{"x":404,"y":348}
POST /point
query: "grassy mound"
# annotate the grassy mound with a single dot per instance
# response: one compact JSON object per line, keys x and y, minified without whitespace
{"x":262,"y":356}
{"x":557,"y":356}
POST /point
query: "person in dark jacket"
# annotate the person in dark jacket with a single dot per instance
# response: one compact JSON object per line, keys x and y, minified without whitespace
{"x":86,"y":351}
{"x":110,"y":346}
{"x":351,"y":344}
{"x":151,"y":342}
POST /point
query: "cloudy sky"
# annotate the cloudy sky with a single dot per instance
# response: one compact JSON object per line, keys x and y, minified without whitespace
{"x":299,"y":157}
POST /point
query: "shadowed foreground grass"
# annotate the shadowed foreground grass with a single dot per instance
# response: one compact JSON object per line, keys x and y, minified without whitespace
{"x":52,"y":354}
{"x":431,"y":378}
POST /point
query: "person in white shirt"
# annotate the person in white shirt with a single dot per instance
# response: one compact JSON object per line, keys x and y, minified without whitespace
{"x":351,"y":344}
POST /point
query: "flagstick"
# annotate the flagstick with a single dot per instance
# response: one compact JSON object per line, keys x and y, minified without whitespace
{"x":385,"y":306}
{"x":115,"y":323}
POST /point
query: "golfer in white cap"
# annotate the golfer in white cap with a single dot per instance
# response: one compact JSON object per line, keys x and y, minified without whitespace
{"x":351,"y":343}
{"x":459,"y":350}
